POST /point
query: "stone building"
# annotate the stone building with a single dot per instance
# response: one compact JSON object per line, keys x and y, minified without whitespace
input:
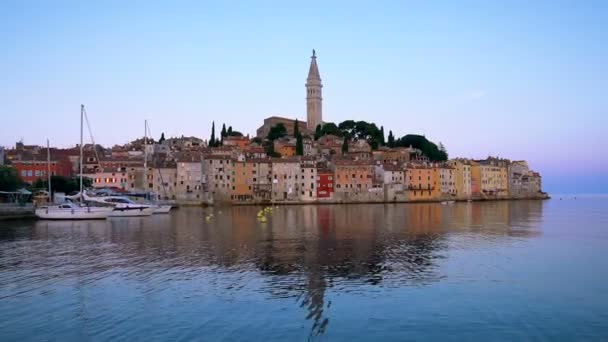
{"x":217,"y":183}
{"x":289,"y":124}
{"x":262,"y":179}
{"x":447,"y":181}
{"x":189,"y":182}
{"x":308,"y":180}
{"x":285,"y":179}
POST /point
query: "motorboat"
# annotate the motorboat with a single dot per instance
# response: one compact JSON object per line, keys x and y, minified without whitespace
{"x":161,"y":209}
{"x":123,"y":206}
{"x":71,"y":211}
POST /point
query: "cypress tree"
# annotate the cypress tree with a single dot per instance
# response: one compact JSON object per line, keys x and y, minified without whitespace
{"x":382,"y":141}
{"x":296,"y":128}
{"x":222,"y":134}
{"x":299,"y":145}
{"x":391,"y":139}
{"x":212,"y":139}
{"x":345,"y":146}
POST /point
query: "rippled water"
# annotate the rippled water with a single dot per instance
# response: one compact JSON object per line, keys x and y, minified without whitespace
{"x":485,"y":271}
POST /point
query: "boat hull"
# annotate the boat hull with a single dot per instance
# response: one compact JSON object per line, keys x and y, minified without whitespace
{"x":132,"y":211}
{"x":73,"y":214}
{"x":162,"y":209}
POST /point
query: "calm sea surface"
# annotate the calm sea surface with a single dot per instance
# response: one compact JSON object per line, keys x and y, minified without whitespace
{"x":522,"y":270}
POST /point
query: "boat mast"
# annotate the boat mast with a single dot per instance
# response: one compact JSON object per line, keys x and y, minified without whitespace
{"x":81,"y":119}
{"x":48,"y":167}
{"x":145,"y":145}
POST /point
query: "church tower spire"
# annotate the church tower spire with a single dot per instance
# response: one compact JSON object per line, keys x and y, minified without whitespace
{"x":314,"y":99}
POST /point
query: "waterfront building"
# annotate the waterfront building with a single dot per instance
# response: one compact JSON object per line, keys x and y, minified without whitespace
{"x":189,"y":177}
{"x":2,"y":156}
{"x":242,"y":182}
{"x":164,"y":180}
{"x":422,"y":182}
{"x":389,"y":174}
{"x":523,"y":182}
{"x":462,"y":177}
{"x":261,"y":179}
{"x":325,"y":183}
{"x":32,"y":165}
{"x":447,"y":181}
{"x":308,"y":179}
{"x":494,"y":177}
{"x":353,"y":176}
{"x":217,"y":182}
{"x":285,"y":179}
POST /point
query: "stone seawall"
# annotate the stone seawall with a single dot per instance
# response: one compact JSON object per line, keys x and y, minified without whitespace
{"x":16,"y":211}
{"x":375,"y":199}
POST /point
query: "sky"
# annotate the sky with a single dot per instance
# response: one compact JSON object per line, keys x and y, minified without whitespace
{"x":514,"y":79}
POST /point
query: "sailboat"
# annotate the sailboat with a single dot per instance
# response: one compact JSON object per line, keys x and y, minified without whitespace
{"x":158,"y":208}
{"x":69,"y":210}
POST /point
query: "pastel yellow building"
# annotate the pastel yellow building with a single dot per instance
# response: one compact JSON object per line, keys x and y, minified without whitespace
{"x":422,"y":182}
{"x":493,"y":176}
{"x":462,"y":177}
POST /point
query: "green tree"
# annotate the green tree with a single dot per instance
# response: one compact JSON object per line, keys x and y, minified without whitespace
{"x":391,"y":139}
{"x":382,"y":141}
{"x":212,"y":139}
{"x":223,"y":134}
{"x":299,"y":145}
{"x":257,"y":140}
{"x":318,"y":132}
{"x":9,"y":179}
{"x":162,"y":138}
{"x":234,"y":134}
{"x":296,"y":128}
{"x":278,"y":131}
{"x":330,"y":128}
{"x":427,"y":147}
{"x":345,"y":146}
{"x":348,"y":128}
{"x":229,"y":132}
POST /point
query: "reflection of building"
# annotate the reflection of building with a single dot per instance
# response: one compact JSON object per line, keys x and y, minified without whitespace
{"x":300,"y":253}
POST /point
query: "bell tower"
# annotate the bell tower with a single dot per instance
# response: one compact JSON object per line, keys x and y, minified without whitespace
{"x":314,"y":98}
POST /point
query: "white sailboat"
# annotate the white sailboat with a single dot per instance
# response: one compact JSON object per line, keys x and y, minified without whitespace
{"x":158,"y":208}
{"x":69,"y":210}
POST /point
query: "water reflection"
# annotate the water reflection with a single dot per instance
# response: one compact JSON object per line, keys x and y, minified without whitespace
{"x":301,"y":252}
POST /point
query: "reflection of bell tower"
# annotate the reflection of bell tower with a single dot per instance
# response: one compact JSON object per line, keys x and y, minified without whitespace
{"x":314,"y":108}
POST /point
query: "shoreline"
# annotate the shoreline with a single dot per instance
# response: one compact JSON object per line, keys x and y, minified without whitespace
{"x":28,"y":212}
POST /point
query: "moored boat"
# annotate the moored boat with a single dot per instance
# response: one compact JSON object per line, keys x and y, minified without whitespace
{"x":123,"y":206}
{"x":71,"y":211}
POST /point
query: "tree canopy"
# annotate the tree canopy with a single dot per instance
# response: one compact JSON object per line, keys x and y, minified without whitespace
{"x":277,"y":131}
{"x":427,"y":147}
{"x":9,"y":179}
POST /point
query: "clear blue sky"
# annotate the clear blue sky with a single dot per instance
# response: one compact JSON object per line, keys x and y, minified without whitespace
{"x":517,"y":79}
